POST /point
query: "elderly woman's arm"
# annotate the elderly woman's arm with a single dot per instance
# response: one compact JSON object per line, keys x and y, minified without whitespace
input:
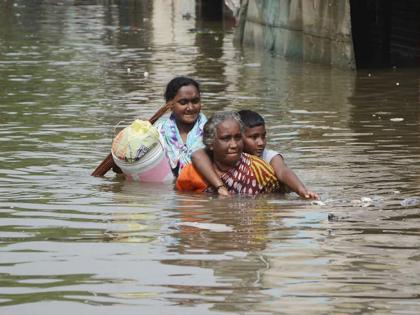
{"x":204,"y":166}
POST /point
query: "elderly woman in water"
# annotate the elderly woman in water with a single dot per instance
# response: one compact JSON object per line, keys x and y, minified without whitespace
{"x":240,"y":172}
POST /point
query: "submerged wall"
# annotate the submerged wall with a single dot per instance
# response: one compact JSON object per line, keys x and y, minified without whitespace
{"x":307,"y":30}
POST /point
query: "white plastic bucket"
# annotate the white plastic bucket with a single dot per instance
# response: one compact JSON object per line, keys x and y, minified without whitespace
{"x":152,"y":167}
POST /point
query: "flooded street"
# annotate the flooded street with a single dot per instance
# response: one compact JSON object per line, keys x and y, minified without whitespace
{"x":71,"y":243}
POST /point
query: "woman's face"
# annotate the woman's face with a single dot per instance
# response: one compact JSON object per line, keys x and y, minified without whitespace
{"x":228,"y":145}
{"x":186,"y":105}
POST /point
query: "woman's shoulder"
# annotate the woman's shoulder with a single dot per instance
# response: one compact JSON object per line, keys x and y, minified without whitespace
{"x":198,"y":127}
{"x":161,"y":122}
{"x":253,"y":158}
{"x":258,"y":164}
{"x":166,"y":125}
{"x":202,"y":119}
{"x":263,"y":173}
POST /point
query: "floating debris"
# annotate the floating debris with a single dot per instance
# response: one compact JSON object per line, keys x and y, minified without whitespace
{"x":409,"y":202}
{"x":396,"y":119}
{"x":334,"y":217}
{"x":317,"y":203}
{"x":215,"y":227}
{"x":364,"y":202}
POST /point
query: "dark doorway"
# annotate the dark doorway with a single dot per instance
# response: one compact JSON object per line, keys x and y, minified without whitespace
{"x":210,"y":10}
{"x":385,"y":32}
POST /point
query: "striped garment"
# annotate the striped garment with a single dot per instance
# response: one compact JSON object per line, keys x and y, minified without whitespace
{"x":250,"y":176}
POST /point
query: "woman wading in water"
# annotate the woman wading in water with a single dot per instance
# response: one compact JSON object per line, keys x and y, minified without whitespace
{"x":182,"y":131}
{"x":240,"y":172}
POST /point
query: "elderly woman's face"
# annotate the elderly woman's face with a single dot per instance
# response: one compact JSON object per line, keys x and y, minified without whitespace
{"x":227,"y":147}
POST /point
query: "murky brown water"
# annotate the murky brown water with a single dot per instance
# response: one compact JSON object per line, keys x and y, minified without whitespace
{"x":74,"y":244}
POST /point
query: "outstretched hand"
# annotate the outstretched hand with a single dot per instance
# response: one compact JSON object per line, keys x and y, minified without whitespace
{"x":307,"y":194}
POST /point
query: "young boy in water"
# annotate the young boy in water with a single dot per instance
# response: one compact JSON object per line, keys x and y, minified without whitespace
{"x":254,"y":138}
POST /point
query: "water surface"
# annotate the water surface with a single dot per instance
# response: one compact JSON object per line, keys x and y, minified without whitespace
{"x":72,"y":243}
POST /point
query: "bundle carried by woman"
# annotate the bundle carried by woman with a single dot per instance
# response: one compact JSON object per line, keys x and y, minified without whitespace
{"x":135,"y":141}
{"x":138,"y":151}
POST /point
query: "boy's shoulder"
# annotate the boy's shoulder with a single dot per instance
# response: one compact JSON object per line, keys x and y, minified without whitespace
{"x":268,"y":155}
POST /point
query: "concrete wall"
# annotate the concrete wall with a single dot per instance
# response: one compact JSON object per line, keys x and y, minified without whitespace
{"x":307,"y":30}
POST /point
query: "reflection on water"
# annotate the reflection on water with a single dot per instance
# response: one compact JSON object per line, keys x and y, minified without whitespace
{"x":71,"y":70}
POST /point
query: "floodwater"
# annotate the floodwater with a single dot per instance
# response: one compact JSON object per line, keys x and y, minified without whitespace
{"x":74,"y":244}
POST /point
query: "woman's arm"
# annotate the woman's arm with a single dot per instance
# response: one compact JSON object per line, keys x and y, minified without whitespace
{"x":204,"y":166}
{"x":289,"y":178}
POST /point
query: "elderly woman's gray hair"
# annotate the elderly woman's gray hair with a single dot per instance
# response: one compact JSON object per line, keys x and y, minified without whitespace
{"x":210,"y":128}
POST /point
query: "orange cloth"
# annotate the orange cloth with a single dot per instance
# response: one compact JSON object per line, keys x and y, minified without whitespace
{"x":190,"y":180}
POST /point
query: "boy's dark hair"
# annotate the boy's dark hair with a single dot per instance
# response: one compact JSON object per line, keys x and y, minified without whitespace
{"x":176,"y":83}
{"x":251,"y":119}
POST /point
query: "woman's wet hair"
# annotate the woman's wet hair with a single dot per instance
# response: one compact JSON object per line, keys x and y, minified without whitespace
{"x":176,"y":83}
{"x":210,"y":127}
{"x":251,"y":119}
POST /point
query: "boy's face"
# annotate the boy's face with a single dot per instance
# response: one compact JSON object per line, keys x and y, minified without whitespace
{"x":254,"y":140}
